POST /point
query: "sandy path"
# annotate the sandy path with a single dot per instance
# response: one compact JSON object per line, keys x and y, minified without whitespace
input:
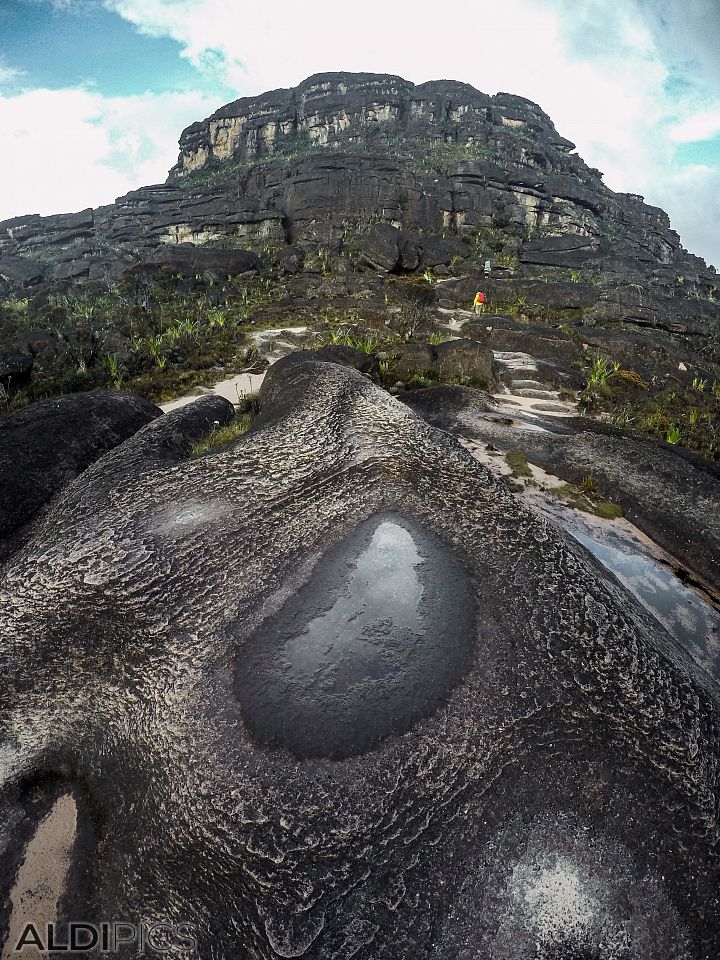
{"x":234,"y":389}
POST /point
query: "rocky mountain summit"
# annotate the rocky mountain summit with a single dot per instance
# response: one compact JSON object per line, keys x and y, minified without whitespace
{"x":318,"y":164}
{"x":317,"y":186}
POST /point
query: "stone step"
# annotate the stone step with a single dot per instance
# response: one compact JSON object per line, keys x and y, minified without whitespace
{"x":552,"y":408}
{"x":537,"y":394}
{"x":528,"y":385}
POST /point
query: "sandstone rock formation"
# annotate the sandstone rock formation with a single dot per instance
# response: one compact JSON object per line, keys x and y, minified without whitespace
{"x":45,"y":446}
{"x":428,"y":165}
{"x":364,"y":199}
{"x":331,"y":691}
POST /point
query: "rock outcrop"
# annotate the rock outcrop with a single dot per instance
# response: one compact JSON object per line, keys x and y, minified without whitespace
{"x":43,"y":448}
{"x":332,"y":691}
{"x":429,"y":165}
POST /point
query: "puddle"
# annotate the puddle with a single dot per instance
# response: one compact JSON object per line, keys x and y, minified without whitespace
{"x":693,"y":622}
{"x":373,"y":642}
{"x":623,"y":549}
{"x":40,"y":881}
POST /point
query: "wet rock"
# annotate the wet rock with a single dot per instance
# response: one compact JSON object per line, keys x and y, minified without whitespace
{"x":550,"y":789}
{"x":336,"y":682}
{"x":668,"y":492}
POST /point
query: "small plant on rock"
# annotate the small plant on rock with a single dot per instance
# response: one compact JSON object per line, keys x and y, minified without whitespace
{"x":601,"y":371}
{"x":673,"y":434}
{"x":113,"y":368}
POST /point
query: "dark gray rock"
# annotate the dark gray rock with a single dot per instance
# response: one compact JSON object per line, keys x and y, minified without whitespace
{"x":291,"y":259}
{"x":382,"y":246}
{"x":44,"y":446}
{"x":20,"y":270}
{"x":437,"y":251}
{"x":366,"y":363}
{"x":192,"y":259}
{"x":466,"y":360}
{"x":553,"y":790}
{"x":567,"y":251}
{"x":412,"y":359}
{"x":15,"y":365}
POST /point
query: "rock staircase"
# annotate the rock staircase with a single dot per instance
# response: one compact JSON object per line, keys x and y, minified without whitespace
{"x":524,"y":387}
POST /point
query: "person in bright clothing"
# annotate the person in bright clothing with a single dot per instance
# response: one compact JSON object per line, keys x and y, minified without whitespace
{"x":479,"y":302}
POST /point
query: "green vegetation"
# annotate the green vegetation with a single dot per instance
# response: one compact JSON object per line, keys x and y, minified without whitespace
{"x":586,"y":497}
{"x":155,"y":334}
{"x":439,"y":155}
{"x":235,"y":170}
{"x":346,"y":337}
{"x":601,"y":371}
{"x":517,"y":460}
{"x":687,"y":416}
{"x":223,"y":436}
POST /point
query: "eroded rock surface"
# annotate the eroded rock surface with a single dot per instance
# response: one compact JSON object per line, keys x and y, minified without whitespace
{"x":669,"y":493}
{"x":551,"y":792}
{"x":46,"y":445}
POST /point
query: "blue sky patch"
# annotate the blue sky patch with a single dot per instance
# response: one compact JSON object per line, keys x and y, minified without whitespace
{"x":706,"y":152}
{"x":91,"y":47}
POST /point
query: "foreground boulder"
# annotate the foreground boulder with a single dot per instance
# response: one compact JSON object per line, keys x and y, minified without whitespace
{"x":46,"y":445}
{"x":332,"y":692}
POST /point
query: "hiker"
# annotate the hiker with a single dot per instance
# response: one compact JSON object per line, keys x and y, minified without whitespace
{"x":479,"y":302}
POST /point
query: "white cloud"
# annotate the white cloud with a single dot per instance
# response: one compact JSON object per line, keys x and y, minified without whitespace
{"x":65,"y":150}
{"x":8,"y":74}
{"x":696,"y":128}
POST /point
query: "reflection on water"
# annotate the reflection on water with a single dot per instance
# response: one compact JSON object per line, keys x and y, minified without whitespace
{"x":350,"y":640}
{"x":375,"y":640}
{"x":692,"y":621}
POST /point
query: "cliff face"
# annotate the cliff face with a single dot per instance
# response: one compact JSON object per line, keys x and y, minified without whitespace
{"x":341,"y":152}
{"x":343,"y":110}
{"x":327,"y":194}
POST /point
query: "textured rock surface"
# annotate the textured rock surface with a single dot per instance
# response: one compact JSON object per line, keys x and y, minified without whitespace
{"x":46,"y":445}
{"x":554,"y":795}
{"x":669,"y":493}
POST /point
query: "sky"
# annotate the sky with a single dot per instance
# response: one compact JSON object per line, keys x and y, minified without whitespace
{"x":95,"y":93}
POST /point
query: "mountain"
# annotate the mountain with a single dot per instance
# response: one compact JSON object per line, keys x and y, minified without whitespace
{"x":357,"y":197}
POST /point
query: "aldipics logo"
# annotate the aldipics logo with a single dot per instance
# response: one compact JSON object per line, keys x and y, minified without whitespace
{"x":78,"y":936}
